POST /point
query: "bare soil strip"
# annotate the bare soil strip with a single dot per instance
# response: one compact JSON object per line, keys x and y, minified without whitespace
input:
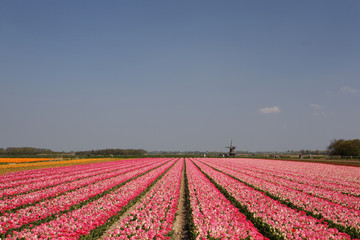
{"x":181,"y":227}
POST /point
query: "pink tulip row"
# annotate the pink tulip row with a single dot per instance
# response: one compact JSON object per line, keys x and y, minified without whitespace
{"x":213,"y":215}
{"x":38,"y":173}
{"x":33,"y":197}
{"x":348,"y":189}
{"x":343,"y":175}
{"x":335,"y":182}
{"x":285,"y":222}
{"x":94,"y":214}
{"x":153,"y":217}
{"x":48,"y":207}
{"x":339,"y":178}
{"x":349,"y":201}
{"x":61,"y":173}
{"x":348,"y":217}
{"x":45,"y":183}
{"x":78,"y":175}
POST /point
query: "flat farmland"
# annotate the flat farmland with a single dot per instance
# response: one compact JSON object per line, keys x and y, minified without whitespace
{"x":8,"y":165}
{"x":182,"y":198}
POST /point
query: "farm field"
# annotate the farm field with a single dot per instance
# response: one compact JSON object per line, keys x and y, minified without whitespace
{"x":22,"y":164}
{"x":22,"y":160}
{"x":224,"y":199}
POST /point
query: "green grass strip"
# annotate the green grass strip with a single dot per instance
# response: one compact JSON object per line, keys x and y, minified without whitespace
{"x":189,"y":217}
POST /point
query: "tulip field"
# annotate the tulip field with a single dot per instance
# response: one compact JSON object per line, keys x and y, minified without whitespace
{"x":224,"y":198}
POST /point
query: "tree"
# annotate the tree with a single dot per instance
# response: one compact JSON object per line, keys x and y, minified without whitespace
{"x":113,"y":152}
{"x":344,"y":147}
{"x":17,"y":151}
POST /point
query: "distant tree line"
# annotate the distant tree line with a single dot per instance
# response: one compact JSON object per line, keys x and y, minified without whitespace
{"x":17,"y":151}
{"x":344,"y":147}
{"x":113,"y":152}
{"x":29,"y":152}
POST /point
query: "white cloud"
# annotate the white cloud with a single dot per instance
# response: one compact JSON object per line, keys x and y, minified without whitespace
{"x":315,"y":106}
{"x":348,"y":90}
{"x":270,"y":110}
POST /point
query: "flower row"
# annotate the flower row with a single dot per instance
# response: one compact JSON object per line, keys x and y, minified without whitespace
{"x":33,"y":197}
{"x":50,"y":181}
{"x":64,"y":202}
{"x":154,"y":215}
{"x":213,"y":215}
{"x":338,"y":178}
{"x":18,"y":160}
{"x":349,"y":201}
{"x":60,"y":173}
{"x":283,"y":221}
{"x":82,"y":221}
{"x":36,"y":173}
{"x":336,"y":213}
{"x":64,"y":177}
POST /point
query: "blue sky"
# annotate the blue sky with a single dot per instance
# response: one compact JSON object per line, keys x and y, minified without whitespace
{"x":179,"y":75}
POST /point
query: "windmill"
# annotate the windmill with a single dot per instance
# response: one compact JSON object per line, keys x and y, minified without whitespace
{"x":231,"y":150}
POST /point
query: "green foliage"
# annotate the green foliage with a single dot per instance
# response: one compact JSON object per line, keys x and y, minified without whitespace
{"x":113,"y":152}
{"x":21,"y":151}
{"x":344,"y":147}
{"x":190,"y":220}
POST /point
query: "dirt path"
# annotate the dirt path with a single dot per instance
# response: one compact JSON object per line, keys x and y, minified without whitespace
{"x":181,"y":225}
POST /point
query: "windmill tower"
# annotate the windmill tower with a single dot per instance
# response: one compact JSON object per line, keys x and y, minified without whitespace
{"x":231,"y":150}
